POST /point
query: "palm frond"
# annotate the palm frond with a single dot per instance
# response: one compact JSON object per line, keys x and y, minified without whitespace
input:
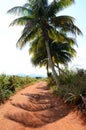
{"x":33,"y":45}
{"x":62,"y":20}
{"x":20,"y":10}
{"x":26,"y":36}
{"x":20,"y":21}
{"x":57,"y":6}
{"x":57,"y":36}
{"x":66,"y":24}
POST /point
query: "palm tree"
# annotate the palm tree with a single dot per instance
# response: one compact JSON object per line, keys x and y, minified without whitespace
{"x":40,"y":19}
{"x":61,"y":53}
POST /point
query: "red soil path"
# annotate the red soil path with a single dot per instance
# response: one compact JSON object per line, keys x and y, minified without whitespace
{"x":36,"y":108}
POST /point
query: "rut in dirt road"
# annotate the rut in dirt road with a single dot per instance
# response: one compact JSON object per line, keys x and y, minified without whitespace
{"x":35,"y":107}
{"x":40,"y":109}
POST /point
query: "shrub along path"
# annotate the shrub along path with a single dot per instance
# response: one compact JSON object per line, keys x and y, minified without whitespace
{"x":36,"y":108}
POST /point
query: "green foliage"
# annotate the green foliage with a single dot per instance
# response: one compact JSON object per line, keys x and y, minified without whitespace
{"x":54,"y":89}
{"x":72,"y":87}
{"x":10,"y":84}
{"x":54,"y":36}
{"x":50,"y":80}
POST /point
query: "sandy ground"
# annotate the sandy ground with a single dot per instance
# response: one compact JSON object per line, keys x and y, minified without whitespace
{"x":36,"y":108}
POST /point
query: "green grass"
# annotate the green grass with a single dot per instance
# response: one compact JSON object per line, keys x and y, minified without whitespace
{"x":10,"y":84}
{"x":72,"y":87}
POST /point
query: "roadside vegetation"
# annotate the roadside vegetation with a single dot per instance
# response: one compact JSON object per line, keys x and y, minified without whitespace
{"x":51,"y":39}
{"x":72,"y":87}
{"x":10,"y":84}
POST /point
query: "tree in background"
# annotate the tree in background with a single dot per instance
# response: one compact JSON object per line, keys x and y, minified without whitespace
{"x":39,"y":18}
{"x":61,"y":54}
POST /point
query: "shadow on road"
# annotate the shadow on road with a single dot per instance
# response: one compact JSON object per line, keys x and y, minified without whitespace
{"x":40,"y":110}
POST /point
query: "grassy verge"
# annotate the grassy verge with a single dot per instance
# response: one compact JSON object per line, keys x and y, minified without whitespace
{"x":72,"y":87}
{"x":10,"y":84}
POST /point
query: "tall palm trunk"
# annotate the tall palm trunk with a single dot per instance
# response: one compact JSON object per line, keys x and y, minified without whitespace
{"x":51,"y":63}
{"x":46,"y":40}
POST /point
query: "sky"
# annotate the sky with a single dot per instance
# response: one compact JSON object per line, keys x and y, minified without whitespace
{"x":14,"y":61}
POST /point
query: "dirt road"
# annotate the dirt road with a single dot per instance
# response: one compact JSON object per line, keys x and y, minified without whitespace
{"x":36,"y":108}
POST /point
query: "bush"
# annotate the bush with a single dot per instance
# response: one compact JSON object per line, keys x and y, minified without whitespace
{"x":9,"y":85}
{"x":73,"y":87}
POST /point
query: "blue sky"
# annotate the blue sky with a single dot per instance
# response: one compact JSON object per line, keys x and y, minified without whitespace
{"x":14,"y":61}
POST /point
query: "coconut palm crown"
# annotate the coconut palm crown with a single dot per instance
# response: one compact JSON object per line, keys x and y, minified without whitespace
{"x":40,"y":19}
